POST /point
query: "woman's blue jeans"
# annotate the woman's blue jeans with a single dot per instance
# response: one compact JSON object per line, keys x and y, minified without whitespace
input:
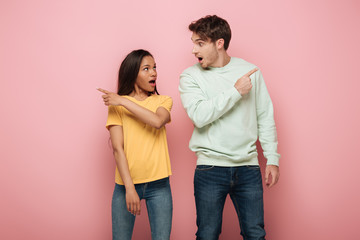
{"x":212,"y":184}
{"x":159,"y":206}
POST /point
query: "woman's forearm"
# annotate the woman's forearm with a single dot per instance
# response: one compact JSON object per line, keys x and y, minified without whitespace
{"x":156,"y":120}
{"x":123,"y":169}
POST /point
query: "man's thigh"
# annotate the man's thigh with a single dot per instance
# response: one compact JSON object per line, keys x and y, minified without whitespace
{"x":247,"y":196}
{"x":211,"y":186}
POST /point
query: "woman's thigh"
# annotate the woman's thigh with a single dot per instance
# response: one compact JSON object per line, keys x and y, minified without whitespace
{"x":159,"y":205}
{"x":122,"y":220}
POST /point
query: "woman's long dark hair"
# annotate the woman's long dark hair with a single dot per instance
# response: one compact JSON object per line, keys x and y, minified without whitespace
{"x":129,"y":70}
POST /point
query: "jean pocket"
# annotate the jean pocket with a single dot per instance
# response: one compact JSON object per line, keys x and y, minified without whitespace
{"x":204,"y":167}
{"x":254,"y":167}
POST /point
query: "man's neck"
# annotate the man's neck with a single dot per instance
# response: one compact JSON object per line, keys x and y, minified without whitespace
{"x":223,"y":60}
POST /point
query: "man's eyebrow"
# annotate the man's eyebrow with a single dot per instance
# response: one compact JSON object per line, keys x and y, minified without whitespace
{"x":198,"y":39}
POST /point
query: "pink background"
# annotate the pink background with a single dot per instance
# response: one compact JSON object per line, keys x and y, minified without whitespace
{"x":57,"y":169}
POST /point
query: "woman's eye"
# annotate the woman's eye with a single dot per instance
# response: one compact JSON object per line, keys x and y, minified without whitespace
{"x":146,"y":69}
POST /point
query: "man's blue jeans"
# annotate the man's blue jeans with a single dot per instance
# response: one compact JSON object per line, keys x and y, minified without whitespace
{"x":212,"y":184}
{"x":159,"y":206}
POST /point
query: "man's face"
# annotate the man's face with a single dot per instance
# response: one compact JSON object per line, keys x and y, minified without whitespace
{"x":205,"y":51}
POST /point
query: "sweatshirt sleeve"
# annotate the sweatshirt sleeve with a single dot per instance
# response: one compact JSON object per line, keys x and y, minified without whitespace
{"x":201,"y":110}
{"x":266,"y":124}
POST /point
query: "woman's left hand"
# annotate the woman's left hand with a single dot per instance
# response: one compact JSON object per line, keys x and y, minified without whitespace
{"x":110,"y":98}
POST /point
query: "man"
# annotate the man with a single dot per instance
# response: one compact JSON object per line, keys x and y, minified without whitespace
{"x":227,"y":100}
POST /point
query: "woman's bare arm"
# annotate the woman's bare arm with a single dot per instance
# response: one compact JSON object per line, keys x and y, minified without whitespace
{"x":156,"y":120}
{"x":117,"y":140}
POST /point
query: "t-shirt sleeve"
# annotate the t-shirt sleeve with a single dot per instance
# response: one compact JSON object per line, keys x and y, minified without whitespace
{"x":114,"y":116}
{"x":166,"y":102}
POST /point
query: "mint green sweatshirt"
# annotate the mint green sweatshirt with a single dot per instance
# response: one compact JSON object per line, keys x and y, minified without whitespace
{"x":226,"y":124}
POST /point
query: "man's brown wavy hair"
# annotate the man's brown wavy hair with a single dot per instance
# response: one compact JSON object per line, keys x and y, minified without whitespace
{"x":212,"y":27}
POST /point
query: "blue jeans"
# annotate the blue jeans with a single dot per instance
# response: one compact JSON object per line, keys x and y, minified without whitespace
{"x":212,"y":184}
{"x":159,"y":206}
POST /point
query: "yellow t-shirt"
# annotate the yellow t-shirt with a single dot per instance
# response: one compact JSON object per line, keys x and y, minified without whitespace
{"x":145,"y":147}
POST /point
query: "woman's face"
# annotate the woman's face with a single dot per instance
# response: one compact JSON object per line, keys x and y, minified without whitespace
{"x":146,"y":79}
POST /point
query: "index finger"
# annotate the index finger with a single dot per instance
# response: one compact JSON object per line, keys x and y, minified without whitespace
{"x":102,"y":90}
{"x":251,"y":72}
{"x":138,"y":209}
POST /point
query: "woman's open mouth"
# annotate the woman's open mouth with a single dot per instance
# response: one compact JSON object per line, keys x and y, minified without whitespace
{"x":152,"y":83}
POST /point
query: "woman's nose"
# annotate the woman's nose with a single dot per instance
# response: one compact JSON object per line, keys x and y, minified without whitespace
{"x":153,"y":72}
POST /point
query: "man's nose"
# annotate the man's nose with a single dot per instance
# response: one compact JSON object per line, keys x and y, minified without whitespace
{"x":194,"y":50}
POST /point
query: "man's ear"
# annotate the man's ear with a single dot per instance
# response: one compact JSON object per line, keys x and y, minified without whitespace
{"x":219,"y":43}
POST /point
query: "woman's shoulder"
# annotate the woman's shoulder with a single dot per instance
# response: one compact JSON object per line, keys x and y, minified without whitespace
{"x":162,"y":100}
{"x":161,"y":97}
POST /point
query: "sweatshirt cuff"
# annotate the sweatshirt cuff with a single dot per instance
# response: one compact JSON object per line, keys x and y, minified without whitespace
{"x":235,"y":95}
{"x":273,"y":161}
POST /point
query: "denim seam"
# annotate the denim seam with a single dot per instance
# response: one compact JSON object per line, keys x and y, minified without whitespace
{"x":205,"y":169}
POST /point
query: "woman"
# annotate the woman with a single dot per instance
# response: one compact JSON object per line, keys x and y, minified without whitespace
{"x":136,"y":121}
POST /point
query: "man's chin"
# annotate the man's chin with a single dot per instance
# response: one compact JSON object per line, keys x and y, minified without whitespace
{"x":204,"y":66}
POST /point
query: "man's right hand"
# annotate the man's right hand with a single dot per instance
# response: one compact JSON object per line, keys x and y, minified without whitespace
{"x":243,"y":84}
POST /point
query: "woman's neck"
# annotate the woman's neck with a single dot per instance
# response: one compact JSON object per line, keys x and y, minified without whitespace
{"x":139,"y":94}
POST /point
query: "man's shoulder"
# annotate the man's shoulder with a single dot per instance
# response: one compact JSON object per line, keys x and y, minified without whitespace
{"x":241,"y":62}
{"x":196,"y":68}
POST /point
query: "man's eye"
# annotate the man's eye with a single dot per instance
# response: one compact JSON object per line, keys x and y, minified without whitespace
{"x":201,"y":44}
